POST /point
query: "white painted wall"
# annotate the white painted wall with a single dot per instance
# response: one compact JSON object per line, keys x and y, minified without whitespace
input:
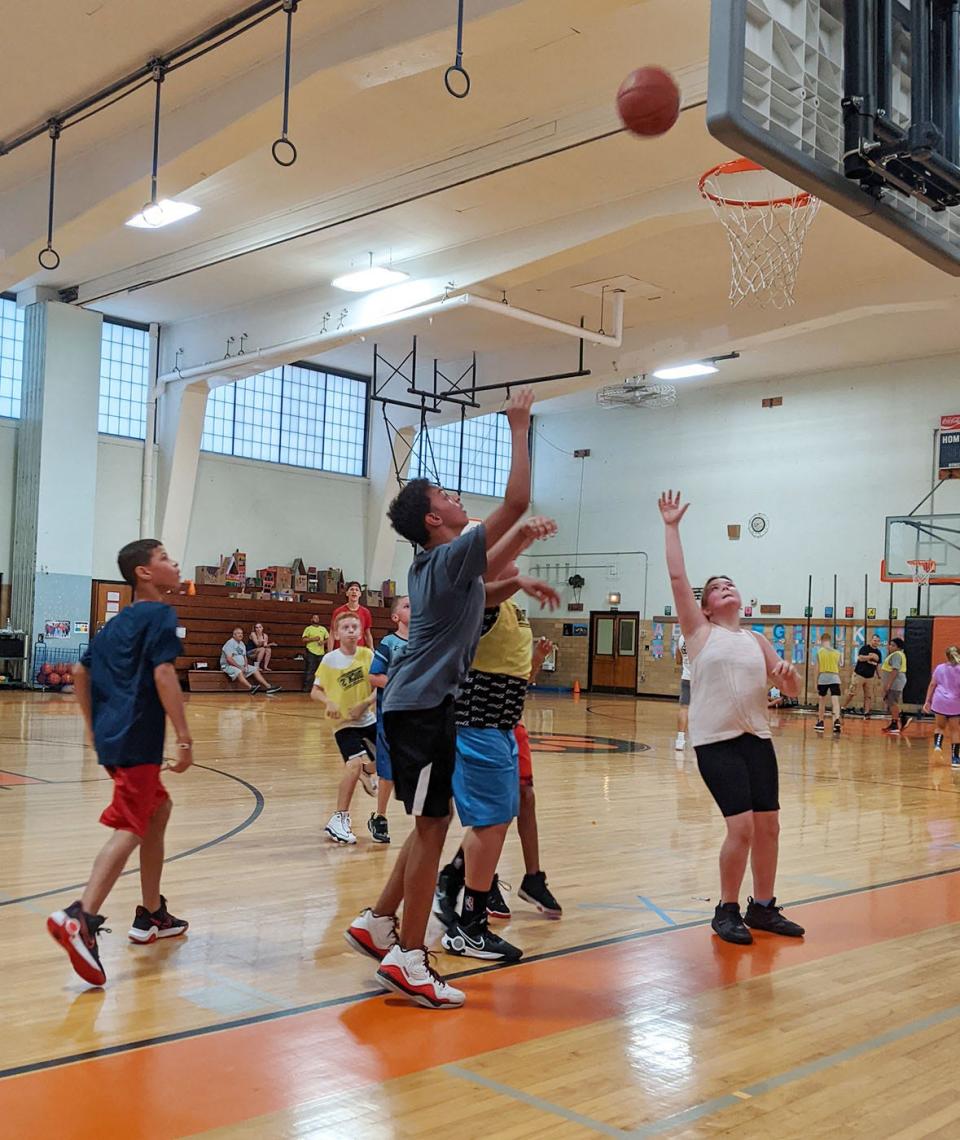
{"x":844,"y":451}
{"x":275,"y":514}
{"x":117,"y":516}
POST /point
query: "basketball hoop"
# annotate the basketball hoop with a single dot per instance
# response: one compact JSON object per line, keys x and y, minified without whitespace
{"x":922,"y":569}
{"x":766,"y":220}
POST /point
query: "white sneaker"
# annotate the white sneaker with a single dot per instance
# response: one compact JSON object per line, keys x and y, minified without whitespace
{"x":338,"y":828}
{"x":408,"y":972}
{"x":369,"y":781}
{"x":372,"y":934}
{"x":680,"y":743}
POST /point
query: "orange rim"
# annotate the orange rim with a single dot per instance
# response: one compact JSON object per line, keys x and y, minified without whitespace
{"x":748,"y":166}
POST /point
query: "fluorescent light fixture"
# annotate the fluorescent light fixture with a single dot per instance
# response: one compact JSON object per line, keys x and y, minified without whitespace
{"x":366,"y":280}
{"x":686,"y":371}
{"x":154,"y":215}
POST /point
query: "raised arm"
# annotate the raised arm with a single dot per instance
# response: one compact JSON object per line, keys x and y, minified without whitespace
{"x":693,"y":623}
{"x":516,"y":498}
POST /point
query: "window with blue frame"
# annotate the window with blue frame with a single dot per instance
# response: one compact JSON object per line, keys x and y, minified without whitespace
{"x":296,"y":414}
{"x":470,"y":456}
{"x":11,"y":357}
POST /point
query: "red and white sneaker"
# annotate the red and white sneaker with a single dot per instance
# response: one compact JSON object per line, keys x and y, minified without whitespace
{"x":149,"y":927}
{"x":77,"y":932}
{"x":408,"y":972}
{"x":372,"y":934}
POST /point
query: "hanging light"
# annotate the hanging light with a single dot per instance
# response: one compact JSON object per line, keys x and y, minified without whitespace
{"x":369,"y":279}
{"x":157,"y":213}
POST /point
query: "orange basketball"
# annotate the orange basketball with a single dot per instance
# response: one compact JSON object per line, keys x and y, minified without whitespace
{"x":53,"y":678}
{"x":648,"y":101}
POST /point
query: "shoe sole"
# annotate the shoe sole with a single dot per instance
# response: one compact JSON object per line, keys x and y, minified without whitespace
{"x":63,"y":929}
{"x":367,"y":951}
{"x":779,"y":933}
{"x":500,"y":915}
{"x":337,"y":839}
{"x":415,"y":996}
{"x":468,"y":951}
{"x":146,"y":937}
{"x":379,"y":838}
{"x":545,"y":910}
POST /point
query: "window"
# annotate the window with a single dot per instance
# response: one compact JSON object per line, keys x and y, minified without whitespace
{"x":296,"y":414}
{"x":124,"y":380}
{"x":11,"y":357}
{"x":473,"y":456}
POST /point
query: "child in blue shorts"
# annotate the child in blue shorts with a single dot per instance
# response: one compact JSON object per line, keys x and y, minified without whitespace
{"x":388,"y":651}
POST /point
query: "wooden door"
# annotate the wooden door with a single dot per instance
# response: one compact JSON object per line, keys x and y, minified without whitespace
{"x":106,"y":600}
{"x":613,"y":652}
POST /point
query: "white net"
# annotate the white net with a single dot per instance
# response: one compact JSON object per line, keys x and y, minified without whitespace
{"x":766,"y":220}
{"x":922,"y":569}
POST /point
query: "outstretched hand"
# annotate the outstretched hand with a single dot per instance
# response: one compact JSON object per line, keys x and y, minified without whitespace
{"x":546,"y":595}
{"x":537,"y":527}
{"x":518,"y":408}
{"x":670,"y":509}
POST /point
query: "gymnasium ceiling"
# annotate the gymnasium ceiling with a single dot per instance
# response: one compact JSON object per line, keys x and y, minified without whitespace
{"x":374,"y":129}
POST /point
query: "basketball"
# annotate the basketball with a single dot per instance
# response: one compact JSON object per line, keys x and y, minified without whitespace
{"x":53,"y":678}
{"x":648,"y":102}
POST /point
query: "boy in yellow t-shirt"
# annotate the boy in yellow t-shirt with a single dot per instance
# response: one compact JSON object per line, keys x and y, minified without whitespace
{"x":828,"y":682}
{"x":342,"y":682}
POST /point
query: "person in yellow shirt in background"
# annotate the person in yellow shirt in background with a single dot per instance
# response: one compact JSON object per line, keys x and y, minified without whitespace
{"x":342,"y":683}
{"x":314,"y":639}
{"x":828,"y":682}
{"x":893,"y":675}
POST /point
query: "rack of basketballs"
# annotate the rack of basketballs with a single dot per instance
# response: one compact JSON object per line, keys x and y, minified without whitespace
{"x":53,"y":667}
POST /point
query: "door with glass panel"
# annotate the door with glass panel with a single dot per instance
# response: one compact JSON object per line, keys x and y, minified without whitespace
{"x":613,"y":652}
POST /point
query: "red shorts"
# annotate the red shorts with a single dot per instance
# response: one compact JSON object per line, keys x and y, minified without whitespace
{"x":137,"y":793}
{"x":523,"y":753}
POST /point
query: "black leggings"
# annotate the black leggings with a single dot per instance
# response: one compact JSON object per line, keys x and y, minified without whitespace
{"x":741,"y":774}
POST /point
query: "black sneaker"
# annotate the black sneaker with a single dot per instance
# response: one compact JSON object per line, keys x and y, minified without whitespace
{"x":77,"y":933}
{"x":818,"y":727}
{"x":728,"y":924}
{"x":254,"y":689}
{"x":449,"y":886}
{"x":905,"y":719}
{"x":149,"y":927}
{"x":534,"y":890}
{"x":496,"y":903}
{"x":379,"y":828}
{"x":771,"y":918}
{"x":836,"y":728}
{"x":475,"y":940}
{"x":272,"y":690}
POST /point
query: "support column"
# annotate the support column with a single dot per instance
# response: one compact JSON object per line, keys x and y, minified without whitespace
{"x":181,"y":413}
{"x":56,"y":468}
{"x":384,"y":485}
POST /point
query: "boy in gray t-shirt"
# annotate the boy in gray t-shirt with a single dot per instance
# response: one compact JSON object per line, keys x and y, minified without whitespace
{"x":446,"y":591}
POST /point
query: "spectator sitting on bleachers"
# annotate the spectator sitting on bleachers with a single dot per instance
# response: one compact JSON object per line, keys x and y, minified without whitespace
{"x":233,"y":661}
{"x":261,"y":648}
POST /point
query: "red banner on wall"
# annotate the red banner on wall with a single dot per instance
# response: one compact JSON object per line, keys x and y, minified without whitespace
{"x":950,"y":423}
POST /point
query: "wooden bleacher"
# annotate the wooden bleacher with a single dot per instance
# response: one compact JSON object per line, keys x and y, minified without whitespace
{"x":211,"y":614}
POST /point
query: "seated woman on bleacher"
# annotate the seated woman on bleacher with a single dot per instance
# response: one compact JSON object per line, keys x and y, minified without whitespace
{"x":233,"y":661}
{"x":260,"y":648}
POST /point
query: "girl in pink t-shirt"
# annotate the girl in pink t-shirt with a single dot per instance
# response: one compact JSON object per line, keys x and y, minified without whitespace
{"x":943,"y":700}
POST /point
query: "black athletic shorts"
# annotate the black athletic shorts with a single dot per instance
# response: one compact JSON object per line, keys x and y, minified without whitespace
{"x":423,"y":751}
{"x":353,"y":741}
{"x":831,"y":690}
{"x":741,"y":774}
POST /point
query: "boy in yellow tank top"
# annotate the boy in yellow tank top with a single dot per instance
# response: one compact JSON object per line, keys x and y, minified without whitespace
{"x":828,"y":682}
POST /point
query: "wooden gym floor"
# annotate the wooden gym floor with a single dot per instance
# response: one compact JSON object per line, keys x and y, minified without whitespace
{"x":627,"y":1017}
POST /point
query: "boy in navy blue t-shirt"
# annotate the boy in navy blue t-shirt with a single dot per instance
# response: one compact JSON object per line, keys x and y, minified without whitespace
{"x":127,"y":686}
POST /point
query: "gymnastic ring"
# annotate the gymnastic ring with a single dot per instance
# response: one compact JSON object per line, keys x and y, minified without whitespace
{"x":456,"y":69}
{"x":52,"y":258}
{"x":276,"y":155}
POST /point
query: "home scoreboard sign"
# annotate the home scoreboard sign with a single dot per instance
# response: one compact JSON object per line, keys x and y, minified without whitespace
{"x":950,"y":447}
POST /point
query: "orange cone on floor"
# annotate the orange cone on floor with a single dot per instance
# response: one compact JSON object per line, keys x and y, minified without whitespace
{"x":576,"y":688}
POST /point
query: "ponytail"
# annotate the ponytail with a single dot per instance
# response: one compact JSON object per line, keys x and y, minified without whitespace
{"x":953,"y":655}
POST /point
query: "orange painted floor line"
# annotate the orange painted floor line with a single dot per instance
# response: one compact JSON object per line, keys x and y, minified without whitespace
{"x":9,"y":779}
{"x":200,"y":1083}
